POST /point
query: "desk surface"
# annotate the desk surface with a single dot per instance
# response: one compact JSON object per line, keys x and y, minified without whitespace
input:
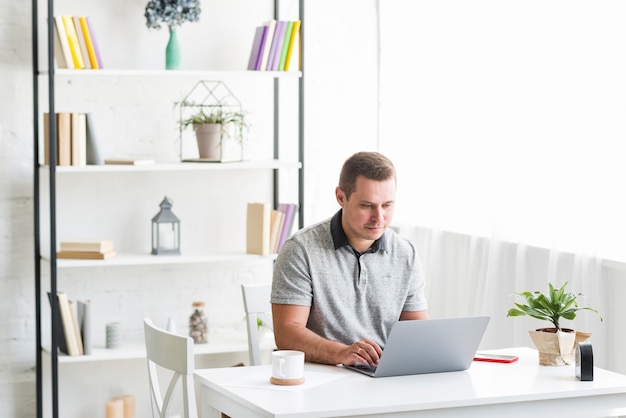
{"x":485,"y":389}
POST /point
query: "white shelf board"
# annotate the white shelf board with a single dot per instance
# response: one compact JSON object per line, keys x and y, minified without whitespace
{"x":219,"y":343}
{"x":149,"y":259}
{"x":174,"y":73}
{"x":186,"y":166}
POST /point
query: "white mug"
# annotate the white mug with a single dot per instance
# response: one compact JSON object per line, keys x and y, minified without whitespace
{"x":288,"y":366}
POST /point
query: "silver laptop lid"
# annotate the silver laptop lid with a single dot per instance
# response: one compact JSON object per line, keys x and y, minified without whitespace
{"x":430,"y":346}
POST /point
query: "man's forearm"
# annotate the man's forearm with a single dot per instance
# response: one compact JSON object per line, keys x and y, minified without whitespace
{"x":316,"y":348}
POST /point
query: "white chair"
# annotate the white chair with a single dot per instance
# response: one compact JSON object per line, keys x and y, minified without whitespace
{"x":175,"y":353}
{"x":256,"y":302}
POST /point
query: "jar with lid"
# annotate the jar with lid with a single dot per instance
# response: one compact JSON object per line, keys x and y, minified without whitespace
{"x":198,"y":324}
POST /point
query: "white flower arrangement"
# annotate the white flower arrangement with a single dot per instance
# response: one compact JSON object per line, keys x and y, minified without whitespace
{"x":173,"y":13}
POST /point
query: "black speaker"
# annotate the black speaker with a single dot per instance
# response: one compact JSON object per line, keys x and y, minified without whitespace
{"x":584,"y":361}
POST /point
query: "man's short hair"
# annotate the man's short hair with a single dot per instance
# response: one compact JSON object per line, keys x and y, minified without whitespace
{"x":371,"y":165}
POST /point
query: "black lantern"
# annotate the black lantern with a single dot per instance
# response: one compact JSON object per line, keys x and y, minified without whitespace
{"x":165,"y":230}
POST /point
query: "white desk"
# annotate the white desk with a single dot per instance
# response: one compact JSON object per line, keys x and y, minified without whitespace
{"x":484,"y":390}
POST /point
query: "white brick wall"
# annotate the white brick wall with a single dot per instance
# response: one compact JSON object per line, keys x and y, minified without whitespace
{"x":149,"y":291}
{"x":17,"y":329}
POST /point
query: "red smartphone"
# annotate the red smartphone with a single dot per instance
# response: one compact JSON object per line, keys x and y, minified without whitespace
{"x":496,"y":358}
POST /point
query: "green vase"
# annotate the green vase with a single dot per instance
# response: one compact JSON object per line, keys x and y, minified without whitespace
{"x":172,"y":52}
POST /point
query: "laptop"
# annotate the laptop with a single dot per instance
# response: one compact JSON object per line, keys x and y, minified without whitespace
{"x":428,"y":346}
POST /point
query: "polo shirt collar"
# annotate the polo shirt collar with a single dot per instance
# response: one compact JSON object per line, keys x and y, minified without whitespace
{"x":341,"y":240}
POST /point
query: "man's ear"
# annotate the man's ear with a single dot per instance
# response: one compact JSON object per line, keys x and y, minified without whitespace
{"x":340,"y":196}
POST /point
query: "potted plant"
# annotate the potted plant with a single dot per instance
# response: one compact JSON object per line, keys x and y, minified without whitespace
{"x":212,"y":124}
{"x":556,"y":345}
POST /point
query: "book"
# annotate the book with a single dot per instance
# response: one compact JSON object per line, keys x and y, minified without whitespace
{"x":290,"y":214}
{"x":81,"y":42}
{"x":64,"y":43}
{"x":287,"y":39}
{"x":258,"y":228}
{"x":86,"y":255}
{"x":94,"y":42}
{"x":277,"y":45}
{"x":62,"y":53}
{"x":267,"y":45}
{"x":79,"y":139}
{"x":259,"y":34}
{"x":46,"y":138}
{"x":91,"y":148}
{"x":102,"y":246}
{"x":128,"y":161}
{"x":276,"y":223}
{"x":59,"y":324}
{"x":64,"y":138}
{"x":91,"y":53}
{"x":83,"y":313}
{"x":79,"y":339}
{"x":68,"y":326}
{"x":295,"y":31}
{"x":72,"y":38}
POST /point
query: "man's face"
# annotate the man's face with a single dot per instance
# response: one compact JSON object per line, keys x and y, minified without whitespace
{"x":369,"y":211}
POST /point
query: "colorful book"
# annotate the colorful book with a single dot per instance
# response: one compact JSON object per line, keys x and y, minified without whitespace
{"x":295,"y":35}
{"x":46,"y":138}
{"x":258,"y":228}
{"x":290,"y":210}
{"x":79,"y":139}
{"x":277,"y":45}
{"x":59,"y":326}
{"x":91,"y":149}
{"x":267,"y":44}
{"x":79,"y":339}
{"x":85,"y":255}
{"x":102,"y":246}
{"x":259,"y":34}
{"x":72,"y":37}
{"x":64,"y":138}
{"x":283,"y":54}
{"x":62,"y":52}
{"x":128,"y":161}
{"x":81,"y":42}
{"x":68,"y":326}
{"x":94,"y":42}
{"x":91,"y":53}
{"x":276,"y":224}
{"x":83,"y":312}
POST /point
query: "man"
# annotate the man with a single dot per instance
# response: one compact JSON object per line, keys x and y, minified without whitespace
{"x":341,"y":284}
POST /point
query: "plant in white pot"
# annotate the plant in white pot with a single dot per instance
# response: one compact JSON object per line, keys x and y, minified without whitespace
{"x":213,"y":124}
{"x":556,"y":345}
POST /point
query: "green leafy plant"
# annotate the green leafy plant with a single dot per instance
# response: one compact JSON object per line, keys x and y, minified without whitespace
{"x":552,"y":307}
{"x":217,"y":115}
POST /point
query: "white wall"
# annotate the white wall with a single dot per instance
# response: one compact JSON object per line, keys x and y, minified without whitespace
{"x":341,"y":118}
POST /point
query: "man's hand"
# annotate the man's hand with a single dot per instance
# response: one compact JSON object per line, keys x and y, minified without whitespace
{"x":362,"y":351}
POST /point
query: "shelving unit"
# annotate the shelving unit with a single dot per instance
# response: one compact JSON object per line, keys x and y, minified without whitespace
{"x":48,"y":177}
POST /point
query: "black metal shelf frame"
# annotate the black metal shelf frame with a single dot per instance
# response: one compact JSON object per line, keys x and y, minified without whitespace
{"x":52,"y":152}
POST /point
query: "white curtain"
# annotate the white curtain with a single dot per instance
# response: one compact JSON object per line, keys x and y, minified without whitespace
{"x":506,"y":121}
{"x":469,"y":276}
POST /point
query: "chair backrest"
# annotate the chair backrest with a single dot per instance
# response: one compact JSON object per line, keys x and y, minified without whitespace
{"x":256,"y":302}
{"x":174,"y":353}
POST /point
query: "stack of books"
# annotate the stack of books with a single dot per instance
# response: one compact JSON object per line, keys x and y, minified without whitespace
{"x":90,"y":250}
{"x":74,"y":321}
{"x":275,"y":46}
{"x":267,"y":228}
{"x":75,"y":45}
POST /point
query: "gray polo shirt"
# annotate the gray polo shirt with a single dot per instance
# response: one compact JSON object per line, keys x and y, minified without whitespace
{"x":351,"y":295}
